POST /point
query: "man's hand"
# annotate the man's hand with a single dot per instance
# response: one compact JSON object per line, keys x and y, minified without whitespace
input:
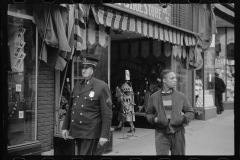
{"x":102,"y":141}
{"x":65,"y":134}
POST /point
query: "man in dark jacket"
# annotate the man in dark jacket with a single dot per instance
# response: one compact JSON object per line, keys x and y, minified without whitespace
{"x":220,"y":88}
{"x":88,"y":120}
{"x":164,"y":110}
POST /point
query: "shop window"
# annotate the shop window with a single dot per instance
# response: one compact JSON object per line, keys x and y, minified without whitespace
{"x":22,"y":72}
{"x":179,"y":67}
{"x":225,"y":60}
{"x":205,"y":80}
{"x":230,"y":71}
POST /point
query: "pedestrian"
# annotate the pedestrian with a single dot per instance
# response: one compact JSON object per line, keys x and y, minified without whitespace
{"x":220,"y":88}
{"x":88,"y":120}
{"x":164,"y":110}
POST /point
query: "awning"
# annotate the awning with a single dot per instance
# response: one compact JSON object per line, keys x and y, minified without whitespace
{"x":123,"y":21}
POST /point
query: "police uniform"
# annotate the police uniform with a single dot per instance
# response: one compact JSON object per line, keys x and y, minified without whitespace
{"x":90,"y":114}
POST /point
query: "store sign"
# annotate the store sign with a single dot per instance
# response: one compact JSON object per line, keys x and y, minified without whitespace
{"x":148,"y":11}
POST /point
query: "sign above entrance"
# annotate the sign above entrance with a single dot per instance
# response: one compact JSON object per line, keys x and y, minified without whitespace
{"x":148,"y":11}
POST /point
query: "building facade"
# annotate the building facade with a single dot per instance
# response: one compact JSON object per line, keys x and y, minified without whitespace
{"x":141,"y":38}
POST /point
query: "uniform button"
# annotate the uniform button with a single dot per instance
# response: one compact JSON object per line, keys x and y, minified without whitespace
{"x":72,"y":120}
{"x":80,"y":122}
{"x":80,"y":113}
{"x":85,"y":98}
{"x":82,"y":105}
{"x":75,"y":104}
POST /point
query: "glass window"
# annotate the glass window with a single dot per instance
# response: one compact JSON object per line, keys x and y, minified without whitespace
{"x":179,"y":67}
{"x":230,"y":65}
{"x":199,"y":86}
{"x":209,"y":77}
{"x":220,"y":48}
{"x":22,"y":72}
{"x":225,"y":60}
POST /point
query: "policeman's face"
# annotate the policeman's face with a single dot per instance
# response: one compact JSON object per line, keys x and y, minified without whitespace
{"x":170,"y":80}
{"x":87,"y":71}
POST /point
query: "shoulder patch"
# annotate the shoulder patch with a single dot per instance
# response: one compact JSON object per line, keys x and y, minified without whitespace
{"x":109,"y":101}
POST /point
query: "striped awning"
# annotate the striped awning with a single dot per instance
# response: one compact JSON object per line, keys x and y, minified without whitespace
{"x":122,"y":21}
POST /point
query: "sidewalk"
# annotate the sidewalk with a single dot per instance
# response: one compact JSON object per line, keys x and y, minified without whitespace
{"x":211,"y":137}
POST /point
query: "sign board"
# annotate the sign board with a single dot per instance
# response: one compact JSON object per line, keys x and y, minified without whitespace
{"x":149,"y":11}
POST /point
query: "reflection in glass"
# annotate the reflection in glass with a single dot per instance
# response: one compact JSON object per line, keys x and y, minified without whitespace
{"x":21,"y":81}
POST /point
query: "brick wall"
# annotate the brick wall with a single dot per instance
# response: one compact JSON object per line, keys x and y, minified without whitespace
{"x":182,"y":16}
{"x":46,"y":106}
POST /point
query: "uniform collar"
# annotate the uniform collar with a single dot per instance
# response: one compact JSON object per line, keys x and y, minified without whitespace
{"x":87,"y":80}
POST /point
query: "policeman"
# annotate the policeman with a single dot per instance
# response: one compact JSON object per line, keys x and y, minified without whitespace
{"x":89,"y":116}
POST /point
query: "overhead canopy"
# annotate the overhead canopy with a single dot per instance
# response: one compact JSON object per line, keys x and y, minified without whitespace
{"x":126,"y":22}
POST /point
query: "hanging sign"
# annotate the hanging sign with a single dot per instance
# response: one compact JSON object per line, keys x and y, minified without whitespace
{"x":145,"y":48}
{"x":134,"y":49}
{"x":149,"y":11}
{"x":102,"y":36}
{"x":156,"y":48}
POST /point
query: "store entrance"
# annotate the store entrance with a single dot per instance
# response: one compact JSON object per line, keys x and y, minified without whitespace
{"x":144,"y":59}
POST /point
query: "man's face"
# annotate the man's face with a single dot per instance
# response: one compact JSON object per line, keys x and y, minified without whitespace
{"x":170,"y":80}
{"x":87,"y":71}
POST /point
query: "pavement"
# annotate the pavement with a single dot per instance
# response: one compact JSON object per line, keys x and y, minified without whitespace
{"x":211,"y":137}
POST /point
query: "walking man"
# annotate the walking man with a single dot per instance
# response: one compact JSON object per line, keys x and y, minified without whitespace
{"x":220,"y":88}
{"x":89,"y":116}
{"x":164,"y":110}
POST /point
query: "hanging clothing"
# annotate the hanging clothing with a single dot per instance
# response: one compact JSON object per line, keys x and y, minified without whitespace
{"x":56,"y":29}
{"x":204,"y":22}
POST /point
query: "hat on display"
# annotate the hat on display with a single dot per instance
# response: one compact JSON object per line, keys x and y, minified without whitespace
{"x":89,"y":60}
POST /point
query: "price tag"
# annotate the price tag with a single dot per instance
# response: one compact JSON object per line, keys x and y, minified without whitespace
{"x":20,"y":34}
{"x":17,"y":52}
{"x":21,"y":114}
{"x":22,"y":55}
{"x":18,"y":88}
{"x":19,"y":44}
{"x":17,"y":64}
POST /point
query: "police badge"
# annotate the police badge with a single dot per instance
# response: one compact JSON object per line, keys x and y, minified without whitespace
{"x":91,"y":94}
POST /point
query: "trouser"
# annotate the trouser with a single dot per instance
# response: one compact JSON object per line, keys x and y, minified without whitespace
{"x":218,"y":102}
{"x":174,"y":142}
{"x":86,"y":146}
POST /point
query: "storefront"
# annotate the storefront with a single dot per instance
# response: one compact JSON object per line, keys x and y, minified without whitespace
{"x":219,"y":57}
{"x":225,"y":41}
{"x":139,"y":38}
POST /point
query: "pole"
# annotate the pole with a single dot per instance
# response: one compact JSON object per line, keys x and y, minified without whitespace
{"x":64,"y":80}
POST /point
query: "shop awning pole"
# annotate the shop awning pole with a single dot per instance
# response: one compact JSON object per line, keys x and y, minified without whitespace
{"x":59,"y":102}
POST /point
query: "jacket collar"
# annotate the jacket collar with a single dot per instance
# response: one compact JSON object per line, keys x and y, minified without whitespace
{"x":88,"y":86}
